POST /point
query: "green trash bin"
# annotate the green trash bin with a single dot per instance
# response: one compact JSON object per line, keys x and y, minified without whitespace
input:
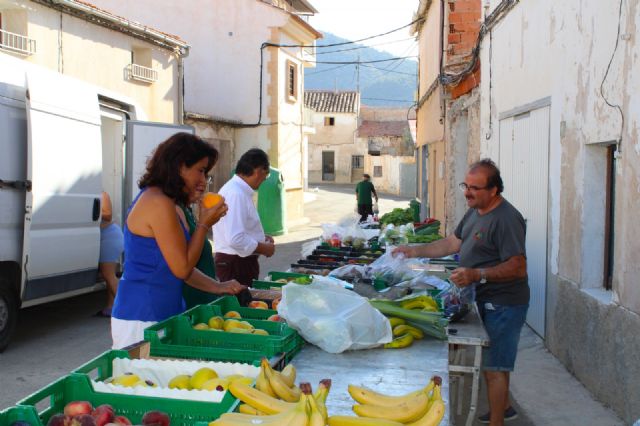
{"x":272,"y":203}
{"x":414,"y":205}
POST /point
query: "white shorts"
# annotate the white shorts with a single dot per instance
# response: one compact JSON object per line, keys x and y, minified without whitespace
{"x":127,"y":332}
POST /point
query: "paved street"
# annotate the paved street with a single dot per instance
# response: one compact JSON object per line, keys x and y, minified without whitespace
{"x":53,"y":339}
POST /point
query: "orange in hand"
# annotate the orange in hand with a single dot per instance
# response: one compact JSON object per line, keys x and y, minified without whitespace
{"x":210,"y":199}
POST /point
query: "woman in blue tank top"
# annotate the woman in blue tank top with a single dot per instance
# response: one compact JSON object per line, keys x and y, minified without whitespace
{"x":159,"y":252}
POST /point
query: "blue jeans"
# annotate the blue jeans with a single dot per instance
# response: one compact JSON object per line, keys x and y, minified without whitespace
{"x":503,"y":324}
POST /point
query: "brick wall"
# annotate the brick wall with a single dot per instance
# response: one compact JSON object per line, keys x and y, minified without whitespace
{"x":464,"y":17}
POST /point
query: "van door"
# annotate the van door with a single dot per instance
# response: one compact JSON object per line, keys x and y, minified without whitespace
{"x":65,"y":166}
{"x":141,"y":140}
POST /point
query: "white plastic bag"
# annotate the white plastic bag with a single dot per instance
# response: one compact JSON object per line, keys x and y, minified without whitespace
{"x":332,"y":318}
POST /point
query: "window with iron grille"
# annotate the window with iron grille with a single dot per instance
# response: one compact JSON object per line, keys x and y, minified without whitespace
{"x":292,"y":82}
{"x":357,"y":161}
{"x":377,"y":171}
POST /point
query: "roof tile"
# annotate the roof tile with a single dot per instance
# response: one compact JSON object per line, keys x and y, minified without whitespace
{"x":331,"y":101}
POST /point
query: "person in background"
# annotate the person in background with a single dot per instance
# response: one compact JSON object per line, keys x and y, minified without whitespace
{"x":491,"y":241}
{"x":364,"y":189}
{"x":160,"y":252}
{"x":239,"y":237}
{"x":193,"y":295}
{"x":111,"y":247}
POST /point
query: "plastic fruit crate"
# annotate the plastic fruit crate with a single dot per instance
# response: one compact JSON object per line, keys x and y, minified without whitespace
{"x":77,"y":387}
{"x":27,"y":415}
{"x":176,"y":337}
{"x":230,"y":303}
{"x":267,"y":285}
{"x":275,"y":275}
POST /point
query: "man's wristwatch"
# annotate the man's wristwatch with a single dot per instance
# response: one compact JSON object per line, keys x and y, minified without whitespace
{"x":483,"y":277}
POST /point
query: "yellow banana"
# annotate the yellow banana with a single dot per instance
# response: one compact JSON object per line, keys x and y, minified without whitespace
{"x":259,"y":400}
{"x":321,"y":396}
{"x":435,"y":413}
{"x":247,"y":409}
{"x":394,"y":321}
{"x":405,"y":328}
{"x":316,"y":417}
{"x":262,"y":384}
{"x":296,"y":416}
{"x":371,"y":397}
{"x":281,"y":389}
{"x":400,"y":342}
{"x":405,"y":412}
{"x":288,"y":374}
{"x":360,"y":421}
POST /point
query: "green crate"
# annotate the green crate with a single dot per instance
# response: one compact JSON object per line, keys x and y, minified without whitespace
{"x":267,"y":285}
{"x":275,"y":275}
{"x":19,"y":414}
{"x":77,"y":387}
{"x":175,"y":337}
{"x":230,"y":303}
{"x":101,"y":367}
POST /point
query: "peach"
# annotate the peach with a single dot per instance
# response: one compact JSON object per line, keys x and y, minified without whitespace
{"x":258,"y":304}
{"x":157,"y":418}
{"x":275,"y":318}
{"x":78,"y":408}
{"x":103,"y":414}
{"x":232,"y":314}
{"x":275,"y":303}
{"x":122,"y":420}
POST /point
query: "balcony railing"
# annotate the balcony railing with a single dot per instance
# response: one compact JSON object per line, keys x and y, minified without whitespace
{"x":17,"y":43}
{"x":138,"y":72}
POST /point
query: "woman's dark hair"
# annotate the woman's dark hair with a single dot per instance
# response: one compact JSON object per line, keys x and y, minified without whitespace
{"x":251,"y":160}
{"x":163,"y":168}
{"x":494,"y":180}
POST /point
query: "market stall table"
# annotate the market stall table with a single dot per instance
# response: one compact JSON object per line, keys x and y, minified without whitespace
{"x":467,"y":334}
{"x":390,"y":371}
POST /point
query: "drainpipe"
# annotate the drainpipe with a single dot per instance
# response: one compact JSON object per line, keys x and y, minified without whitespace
{"x":182,"y":54}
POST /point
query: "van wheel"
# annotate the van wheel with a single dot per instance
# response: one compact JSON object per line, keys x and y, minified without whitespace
{"x":8,"y":313}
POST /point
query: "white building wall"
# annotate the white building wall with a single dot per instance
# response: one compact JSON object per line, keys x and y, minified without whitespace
{"x":560,"y":51}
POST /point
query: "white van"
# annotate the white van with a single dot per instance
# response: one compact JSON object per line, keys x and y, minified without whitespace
{"x":62,"y":142}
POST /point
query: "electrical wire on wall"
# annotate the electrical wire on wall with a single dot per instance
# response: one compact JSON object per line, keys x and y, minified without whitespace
{"x":488,"y":135}
{"x":606,"y":74}
{"x":268,"y":44}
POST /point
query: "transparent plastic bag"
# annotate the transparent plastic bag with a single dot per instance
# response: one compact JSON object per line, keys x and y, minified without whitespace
{"x":333,"y":318}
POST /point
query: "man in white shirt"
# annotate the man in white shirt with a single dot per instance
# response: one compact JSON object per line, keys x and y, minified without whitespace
{"x":238,"y":237}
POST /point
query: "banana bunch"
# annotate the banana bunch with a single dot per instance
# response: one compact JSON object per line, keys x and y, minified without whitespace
{"x":423,"y":407}
{"x":305,"y":412}
{"x":422,"y":303}
{"x":278,"y":384}
{"x":404,"y":335}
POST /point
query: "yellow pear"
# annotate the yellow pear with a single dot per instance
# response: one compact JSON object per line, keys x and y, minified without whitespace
{"x":216,"y":384}
{"x":238,"y":330}
{"x":201,"y":376}
{"x":201,"y":326}
{"x":216,"y":323}
{"x":246,"y":325}
{"x":232,"y":314}
{"x":181,"y":381}
{"x":260,"y":332}
{"x":127,"y":380}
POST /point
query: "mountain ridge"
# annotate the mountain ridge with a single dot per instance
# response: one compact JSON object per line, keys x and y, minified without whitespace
{"x":390,"y":84}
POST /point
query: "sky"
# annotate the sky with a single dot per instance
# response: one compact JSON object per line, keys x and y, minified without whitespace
{"x":356,"y":19}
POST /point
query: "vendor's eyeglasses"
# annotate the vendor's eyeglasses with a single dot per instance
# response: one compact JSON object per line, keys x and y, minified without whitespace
{"x":463,"y":187}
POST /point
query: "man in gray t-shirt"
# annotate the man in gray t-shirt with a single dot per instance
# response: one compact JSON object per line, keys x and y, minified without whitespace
{"x":491,"y":242}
